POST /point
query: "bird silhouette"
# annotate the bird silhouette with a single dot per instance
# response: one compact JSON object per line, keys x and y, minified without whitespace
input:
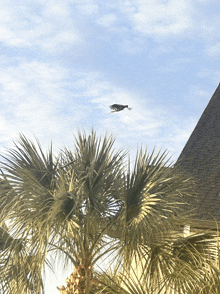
{"x":118,"y":107}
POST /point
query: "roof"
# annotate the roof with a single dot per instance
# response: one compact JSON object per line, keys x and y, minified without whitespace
{"x":200,"y":159}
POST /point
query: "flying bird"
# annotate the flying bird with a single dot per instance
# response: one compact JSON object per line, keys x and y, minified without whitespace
{"x":118,"y":107}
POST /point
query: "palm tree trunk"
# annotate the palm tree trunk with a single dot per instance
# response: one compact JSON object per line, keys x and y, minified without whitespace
{"x":80,"y":282}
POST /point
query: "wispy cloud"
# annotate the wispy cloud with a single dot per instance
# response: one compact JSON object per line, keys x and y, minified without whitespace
{"x":39,"y":99}
{"x":154,"y":17}
{"x":214,"y":50}
{"x":45,"y":25}
{"x":86,"y":7}
{"x":179,"y":135}
{"x":46,"y":98}
{"x":108,"y":20}
{"x":63,"y":62}
{"x":32,"y":95}
{"x":57,"y":26}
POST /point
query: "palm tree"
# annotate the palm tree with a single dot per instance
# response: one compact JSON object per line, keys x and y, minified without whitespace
{"x":85,"y":205}
{"x":59,"y":204}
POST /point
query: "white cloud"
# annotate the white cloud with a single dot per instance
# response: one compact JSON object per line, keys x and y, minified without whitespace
{"x":56,"y":9}
{"x":174,"y":64}
{"x":155,"y":17}
{"x":152,"y":17}
{"x":86,"y":7}
{"x":138,"y":125}
{"x":132,"y":45}
{"x":48,"y":26}
{"x":32,"y":100}
{"x":37,"y":98}
{"x":52,"y":103}
{"x":56,"y":26}
{"x":214,"y":50}
{"x":210,"y":74}
{"x":179,"y":135}
{"x":107,"y":20}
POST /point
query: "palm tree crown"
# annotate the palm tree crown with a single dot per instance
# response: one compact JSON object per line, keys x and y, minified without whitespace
{"x":86,"y":204}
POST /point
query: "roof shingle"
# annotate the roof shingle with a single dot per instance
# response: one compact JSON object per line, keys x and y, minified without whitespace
{"x":200,"y":158}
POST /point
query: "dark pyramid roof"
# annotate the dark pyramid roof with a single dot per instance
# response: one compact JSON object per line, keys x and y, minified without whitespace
{"x":200,"y":158}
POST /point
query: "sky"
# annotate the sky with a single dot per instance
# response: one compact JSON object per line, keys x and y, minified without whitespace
{"x":63,"y":62}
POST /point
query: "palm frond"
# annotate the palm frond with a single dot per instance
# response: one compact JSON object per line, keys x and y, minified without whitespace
{"x":84,"y":205}
{"x":29,"y":157}
{"x":155,"y":193}
{"x":101,"y":170}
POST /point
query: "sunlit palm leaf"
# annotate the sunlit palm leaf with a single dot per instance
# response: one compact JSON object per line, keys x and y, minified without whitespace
{"x":178,"y":265}
{"x":32,"y":177}
{"x":153,"y":195}
{"x":101,"y":170}
{"x":84,"y":205}
{"x":20,"y":271}
{"x":67,"y":204}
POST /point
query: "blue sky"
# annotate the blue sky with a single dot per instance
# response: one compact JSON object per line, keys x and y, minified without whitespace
{"x":64,"y":62}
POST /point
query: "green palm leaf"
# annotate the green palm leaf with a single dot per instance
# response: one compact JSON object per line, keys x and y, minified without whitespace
{"x":154,"y":197}
{"x":86,"y":204}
